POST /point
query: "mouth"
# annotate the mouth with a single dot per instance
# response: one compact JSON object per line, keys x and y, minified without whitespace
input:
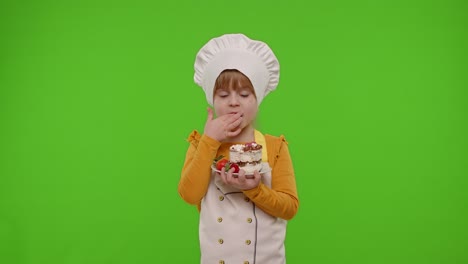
{"x":233,"y":113}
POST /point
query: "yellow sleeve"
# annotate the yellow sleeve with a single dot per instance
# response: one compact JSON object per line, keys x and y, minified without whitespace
{"x":281,"y":199}
{"x":196,"y":172}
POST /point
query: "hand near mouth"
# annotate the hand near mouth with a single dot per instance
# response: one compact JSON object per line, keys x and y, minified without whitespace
{"x":223,"y":127}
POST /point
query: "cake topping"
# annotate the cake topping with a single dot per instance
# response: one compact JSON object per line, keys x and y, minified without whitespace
{"x":252,"y":146}
{"x":246,"y":147}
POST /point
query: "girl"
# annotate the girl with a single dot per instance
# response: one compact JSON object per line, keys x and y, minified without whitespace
{"x":242,"y":220}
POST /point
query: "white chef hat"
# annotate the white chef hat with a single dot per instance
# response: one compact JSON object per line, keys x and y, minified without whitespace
{"x":236,"y":51}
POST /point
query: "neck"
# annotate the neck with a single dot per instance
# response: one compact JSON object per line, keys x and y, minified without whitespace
{"x":246,"y":135}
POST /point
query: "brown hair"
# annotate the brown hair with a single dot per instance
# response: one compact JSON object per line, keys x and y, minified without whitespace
{"x":233,"y":79}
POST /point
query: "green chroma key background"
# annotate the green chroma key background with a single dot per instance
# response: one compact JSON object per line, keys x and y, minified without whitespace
{"x":97,"y":100}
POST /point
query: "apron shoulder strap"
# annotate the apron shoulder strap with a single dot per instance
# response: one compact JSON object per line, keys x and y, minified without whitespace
{"x":260,"y":139}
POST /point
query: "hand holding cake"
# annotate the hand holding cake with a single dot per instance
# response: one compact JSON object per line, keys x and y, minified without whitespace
{"x":242,"y":181}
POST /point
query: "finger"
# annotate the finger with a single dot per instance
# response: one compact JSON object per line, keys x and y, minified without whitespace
{"x":222,"y":174}
{"x":229,"y":118}
{"x":210,"y":114}
{"x":233,"y":133}
{"x":229,"y":177}
{"x":257,"y":175}
{"x":235,"y":124}
{"x":242,"y":177}
{"x":235,"y":117}
{"x":250,"y":176}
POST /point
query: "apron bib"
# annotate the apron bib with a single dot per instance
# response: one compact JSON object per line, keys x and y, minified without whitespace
{"x":233,"y":229}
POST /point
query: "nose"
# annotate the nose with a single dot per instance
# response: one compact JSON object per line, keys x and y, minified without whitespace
{"x":234,"y":100}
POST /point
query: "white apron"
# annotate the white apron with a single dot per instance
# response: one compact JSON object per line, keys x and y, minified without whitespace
{"x":233,"y":229}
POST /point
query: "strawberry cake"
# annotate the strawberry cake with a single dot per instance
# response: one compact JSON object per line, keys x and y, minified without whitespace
{"x":248,"y":156}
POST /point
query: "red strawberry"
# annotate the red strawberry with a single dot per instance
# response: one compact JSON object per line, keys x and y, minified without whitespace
{"x":220,"y":164}
{"x":235,"y":166}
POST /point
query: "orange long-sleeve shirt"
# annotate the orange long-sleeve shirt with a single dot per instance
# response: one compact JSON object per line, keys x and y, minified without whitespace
{"x":280,"y":200}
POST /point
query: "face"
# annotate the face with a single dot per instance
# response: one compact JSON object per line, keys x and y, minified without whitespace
{"x":234,"y":93}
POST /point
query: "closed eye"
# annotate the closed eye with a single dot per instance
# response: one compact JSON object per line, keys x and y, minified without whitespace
{"x":223,"y":94}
